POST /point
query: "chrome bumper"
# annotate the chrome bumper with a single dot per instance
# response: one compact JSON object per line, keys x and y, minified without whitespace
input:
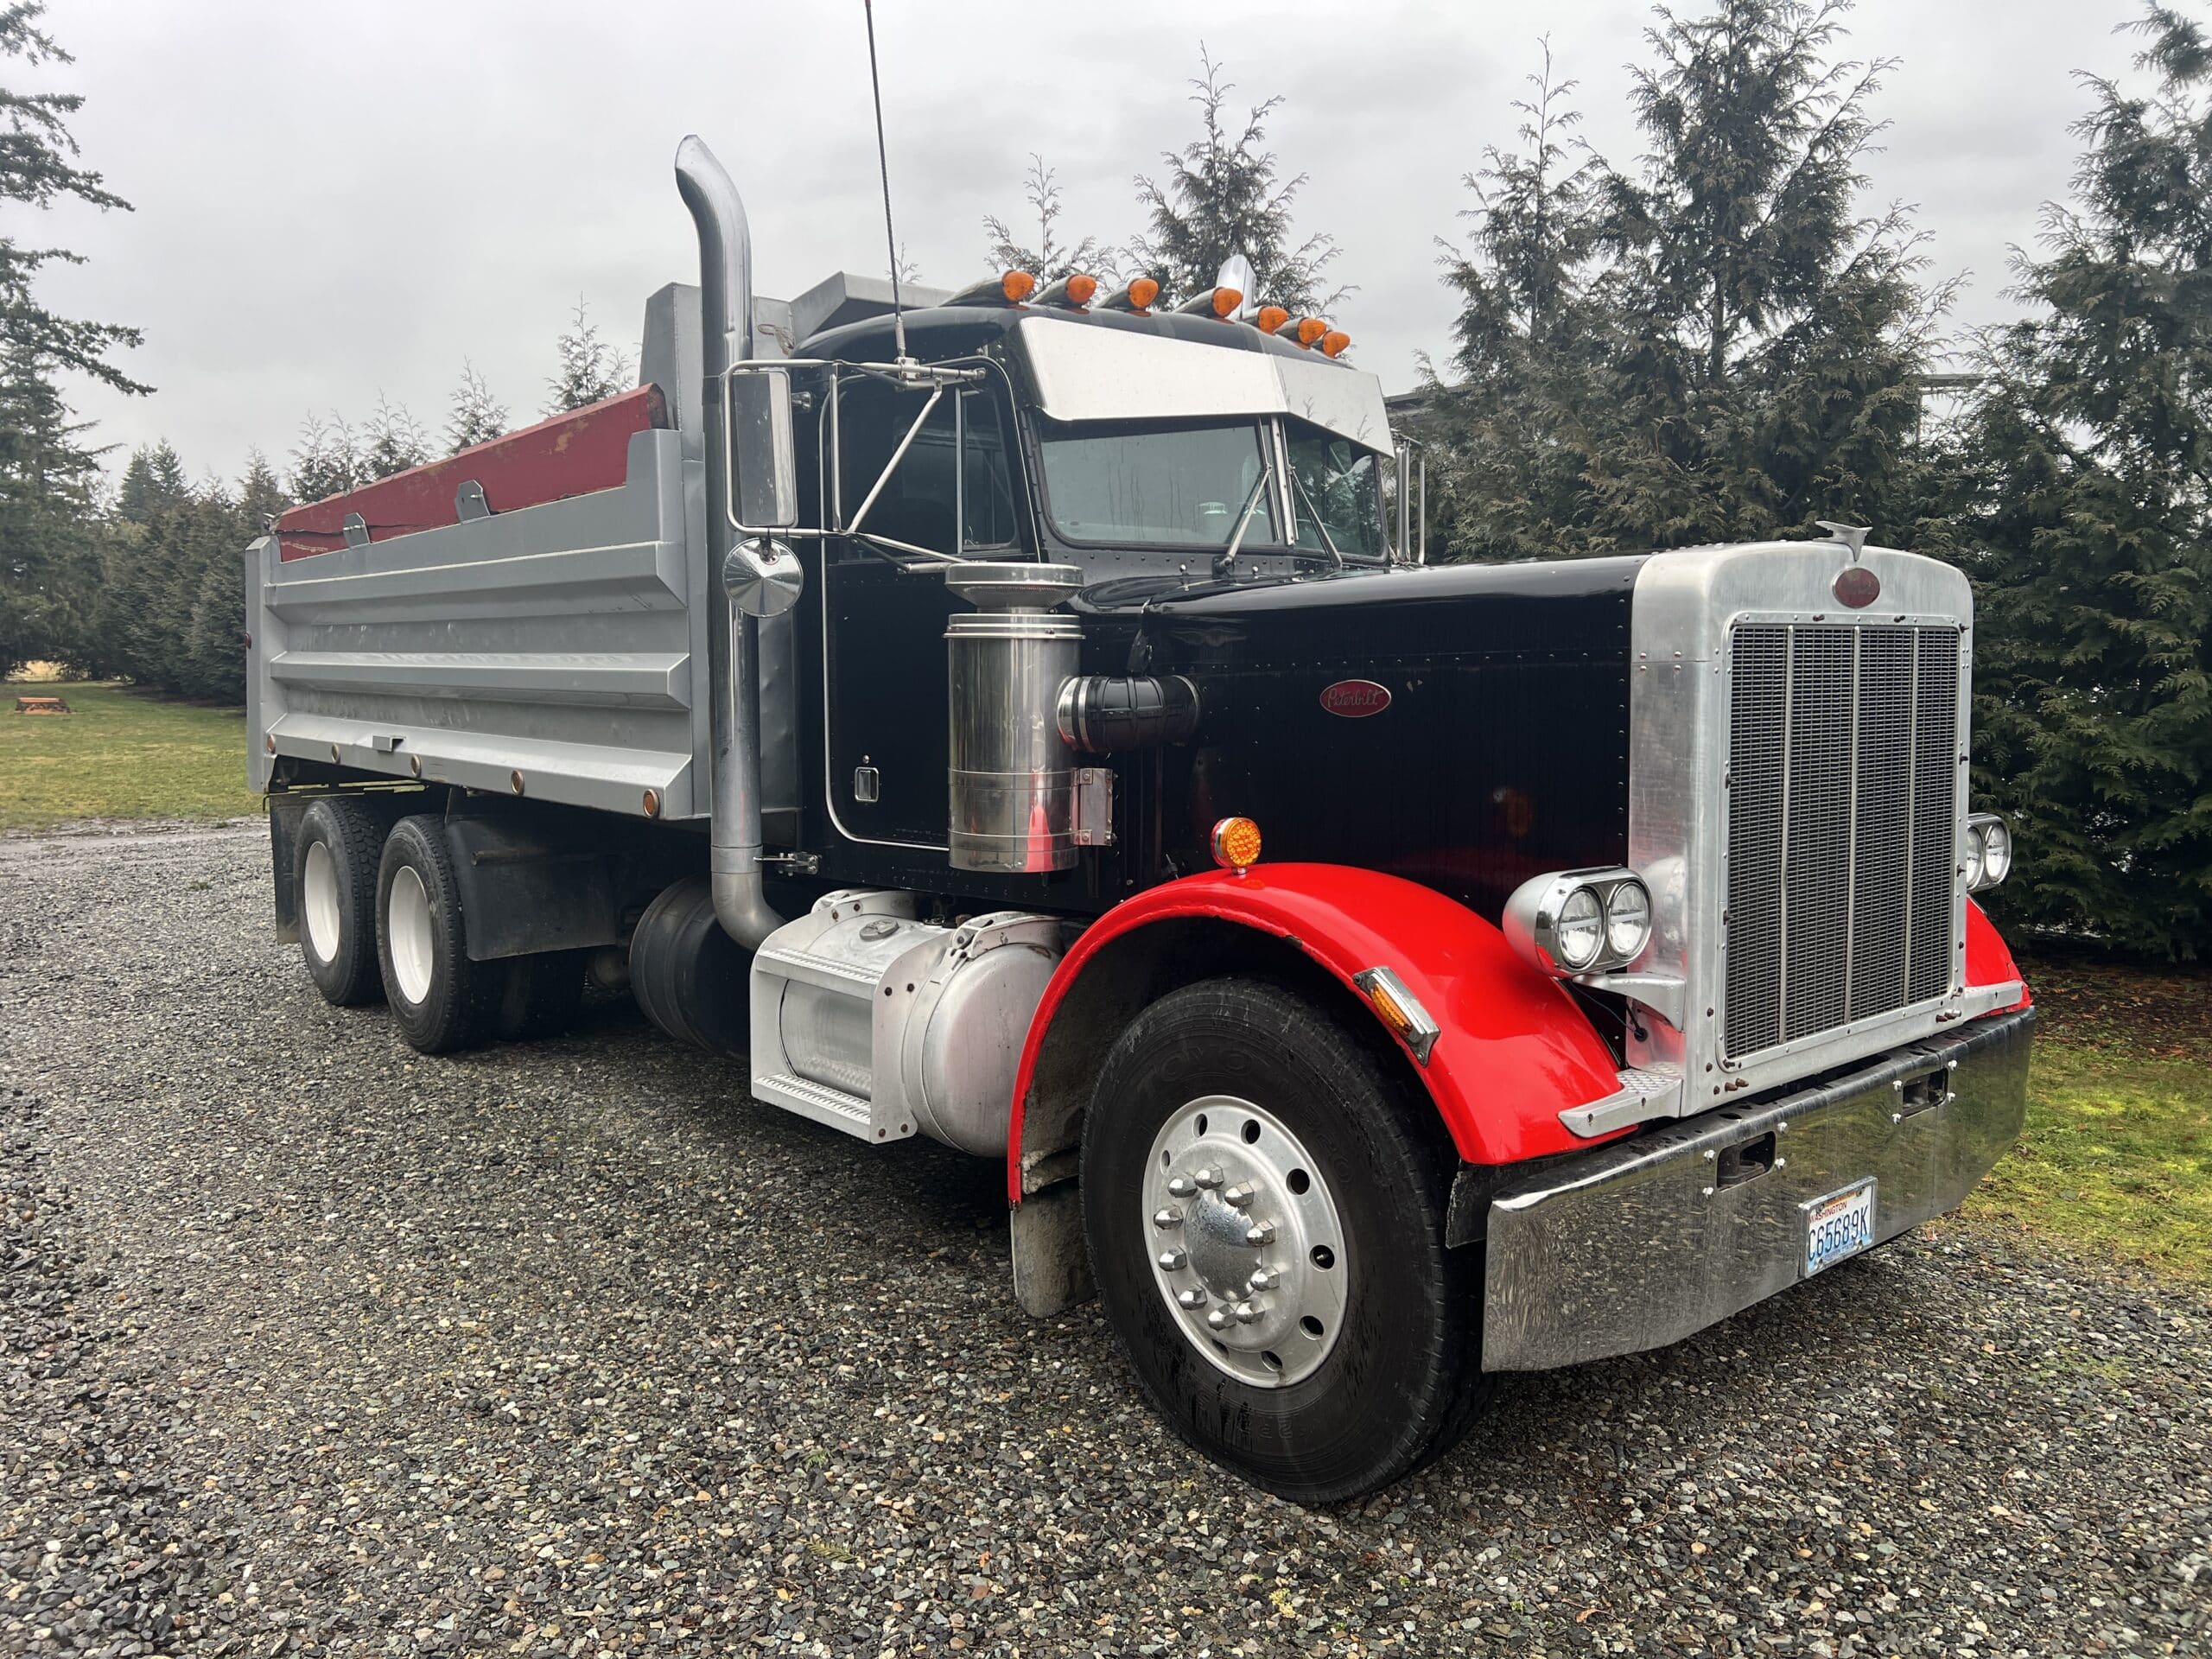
{"x":1636,"y":1244}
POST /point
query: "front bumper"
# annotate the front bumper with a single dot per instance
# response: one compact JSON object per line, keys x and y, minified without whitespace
{"x":1639,"y":1243}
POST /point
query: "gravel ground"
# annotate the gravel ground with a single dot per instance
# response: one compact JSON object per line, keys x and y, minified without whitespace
{"x":307,"y":1343}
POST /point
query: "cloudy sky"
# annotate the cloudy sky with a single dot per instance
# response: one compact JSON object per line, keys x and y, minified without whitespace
{"x":334,"y":202}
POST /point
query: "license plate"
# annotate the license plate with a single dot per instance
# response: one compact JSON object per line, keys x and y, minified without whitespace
{"x":1839,"y":1225}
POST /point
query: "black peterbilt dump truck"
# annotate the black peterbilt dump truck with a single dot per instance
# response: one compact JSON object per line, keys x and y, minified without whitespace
{"x":1024,"y":718}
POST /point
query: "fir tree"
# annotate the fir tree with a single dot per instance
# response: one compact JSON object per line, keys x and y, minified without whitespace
{"x":477,"y":416}
{"x":326,"y":460}
{"x":1048,"y":258}
{"x":1774,"y":333}
{"x":2090,"y":526}
{"x":261,"y":494}
{"x":49,"y":558}
{"x":396,"y":442}
{"x":153,"y":482}
{"x":1533,"y":337}
{"x":39,"y":167}
{"x":1223,"y":196}
{"x":590,"y":370}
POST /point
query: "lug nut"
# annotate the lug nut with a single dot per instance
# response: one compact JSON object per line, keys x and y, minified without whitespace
{"x":1259,"y":1232}
{"x":1265,"y":1279}
{"x":1172,"y":1260}
{"x":1208,"y":1177}
{"x":1218,"y":1318}
{"x":1167,"y":1217}
{"x":1189,"y":1298}
{"x":1179,"y":1186}
{"x":1248,"y":1311}
{"x":1241,"y":1194}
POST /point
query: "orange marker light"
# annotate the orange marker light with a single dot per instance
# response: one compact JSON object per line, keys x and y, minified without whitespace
{"x":1142,"y":292}
{"x":1081,"y":288}
{"x":1311,"y":329}
{"x":1271,"y":318}
{"x":1017,"y":286}
{"x":1333,"y":342}
{"x":1236,"y":844}
{"x":1225,"y":301}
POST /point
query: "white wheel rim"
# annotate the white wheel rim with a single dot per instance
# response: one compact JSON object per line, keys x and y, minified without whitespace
{"x":319,"y":901}
{"x":407,"y":929}
{"x":1247,"y":1248}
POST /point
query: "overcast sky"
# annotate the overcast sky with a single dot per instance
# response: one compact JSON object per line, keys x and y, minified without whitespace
{"x":336,"y":201}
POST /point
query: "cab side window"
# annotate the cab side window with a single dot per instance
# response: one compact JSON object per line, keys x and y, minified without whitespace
{"x":928,"y":491}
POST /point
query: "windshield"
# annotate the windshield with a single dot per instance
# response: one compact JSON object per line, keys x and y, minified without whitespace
{"x":1180,"y":485}
{"x":1343,"y":484}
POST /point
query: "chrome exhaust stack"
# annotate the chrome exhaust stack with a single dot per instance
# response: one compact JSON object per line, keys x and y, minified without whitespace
{"x":733,"y":637}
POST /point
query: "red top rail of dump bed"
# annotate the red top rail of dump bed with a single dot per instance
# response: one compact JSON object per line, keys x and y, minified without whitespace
{"x":573,"y":453}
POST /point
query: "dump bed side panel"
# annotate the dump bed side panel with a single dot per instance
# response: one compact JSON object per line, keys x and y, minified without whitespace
{"x":555,"y":650}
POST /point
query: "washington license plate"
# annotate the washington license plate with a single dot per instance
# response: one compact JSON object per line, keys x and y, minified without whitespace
{"x":1839,"y":1225}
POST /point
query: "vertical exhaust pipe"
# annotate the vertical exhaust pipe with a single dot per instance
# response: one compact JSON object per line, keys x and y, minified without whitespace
{"x":733,"y":639}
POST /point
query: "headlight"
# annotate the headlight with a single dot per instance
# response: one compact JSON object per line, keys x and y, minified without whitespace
{"x":1580,"y":921}
{"x":1581,"y":930}
{"x":1988,"y":851}
{"x":1628,"y":920}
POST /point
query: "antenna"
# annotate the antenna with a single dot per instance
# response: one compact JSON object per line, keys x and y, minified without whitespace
{"x":883,"y":161}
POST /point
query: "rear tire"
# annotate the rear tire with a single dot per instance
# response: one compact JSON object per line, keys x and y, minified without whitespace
{"x":334,"y":875}
{"x":1361,"y":1361}
{"x":440,"y":998}
{"x":540,"y":995}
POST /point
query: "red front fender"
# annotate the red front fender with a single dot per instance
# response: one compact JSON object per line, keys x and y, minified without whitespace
{"x":1516,"y":1050}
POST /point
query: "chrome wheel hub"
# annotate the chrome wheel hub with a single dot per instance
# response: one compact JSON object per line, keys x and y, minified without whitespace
{"x":1247,"y":1248}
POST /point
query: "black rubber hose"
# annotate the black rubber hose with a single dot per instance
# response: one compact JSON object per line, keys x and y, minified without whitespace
{"x":1112,"y":714}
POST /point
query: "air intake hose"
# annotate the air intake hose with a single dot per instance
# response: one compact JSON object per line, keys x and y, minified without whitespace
{"x":1112,"y":714}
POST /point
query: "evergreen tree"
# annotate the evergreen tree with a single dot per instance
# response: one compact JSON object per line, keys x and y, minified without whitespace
{"x":1774,"y":334}
{"x":47,"y":552}
{"x":153,"y":482}
{"x":590,"y":370}
{"x":39,"y":167}
{"x":1533,"y":342}
{"x":477,"y":416}
{"x":1222,"y":197}
{"x":396,"y":442}
{"x":326,"y":460}
{"x":2089,"y":528}
{"x":261,"y":494}
{"x":1048,"y":258}
{"x":47,"y":481}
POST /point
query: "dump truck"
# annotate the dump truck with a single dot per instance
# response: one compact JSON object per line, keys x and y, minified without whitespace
{"x":1026,"y":717}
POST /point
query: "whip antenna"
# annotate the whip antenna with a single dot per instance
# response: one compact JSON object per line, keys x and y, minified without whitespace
{"x":883,"y":161}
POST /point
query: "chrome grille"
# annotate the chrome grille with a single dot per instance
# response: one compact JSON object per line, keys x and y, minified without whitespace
{"x":1841,"y":804}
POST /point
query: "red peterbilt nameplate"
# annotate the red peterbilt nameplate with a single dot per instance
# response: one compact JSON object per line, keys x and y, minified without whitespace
{"x":1356,"y":699}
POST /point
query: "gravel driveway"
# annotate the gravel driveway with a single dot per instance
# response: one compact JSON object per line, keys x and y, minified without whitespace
{"x":309,"y":1344}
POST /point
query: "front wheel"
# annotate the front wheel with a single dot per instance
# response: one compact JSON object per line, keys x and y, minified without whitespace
{"x":1265,"y":1208}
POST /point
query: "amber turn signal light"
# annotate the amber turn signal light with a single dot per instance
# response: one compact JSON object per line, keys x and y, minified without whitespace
{"x":1017,"y":286}
{"x":1236,"y":844}
{"x":1333,"y":342}
{"x":1213,"y":302}
{"x":1310,"y":330}
{"x":1271,"y":318}
{"x":1071,"y":292}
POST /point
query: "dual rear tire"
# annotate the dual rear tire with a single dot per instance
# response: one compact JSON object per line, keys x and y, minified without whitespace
{"x":381,"y":913}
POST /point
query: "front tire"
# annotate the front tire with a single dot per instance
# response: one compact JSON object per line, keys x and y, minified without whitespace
{"x":1337,"y":1347}
{"x":335,"y":875}
{"x":440,"y":998}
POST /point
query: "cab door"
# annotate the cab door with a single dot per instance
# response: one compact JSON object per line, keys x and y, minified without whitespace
{"x":885,"y":604}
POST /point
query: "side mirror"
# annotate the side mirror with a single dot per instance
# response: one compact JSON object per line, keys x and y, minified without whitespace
{"x":763,"y":455}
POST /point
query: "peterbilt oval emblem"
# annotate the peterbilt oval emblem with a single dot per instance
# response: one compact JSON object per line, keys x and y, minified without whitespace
{"x":1856,"y":587}
{"x":1356,"y":699}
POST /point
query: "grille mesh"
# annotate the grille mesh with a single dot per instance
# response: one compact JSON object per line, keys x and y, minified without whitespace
{"x":1843,"y":747}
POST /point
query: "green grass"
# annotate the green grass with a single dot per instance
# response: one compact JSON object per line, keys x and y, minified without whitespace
{"x":120,"y":754}
{"x":2116,"y":1157}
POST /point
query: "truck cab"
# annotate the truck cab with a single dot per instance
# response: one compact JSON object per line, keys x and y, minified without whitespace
{"x":1026,"y":718}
